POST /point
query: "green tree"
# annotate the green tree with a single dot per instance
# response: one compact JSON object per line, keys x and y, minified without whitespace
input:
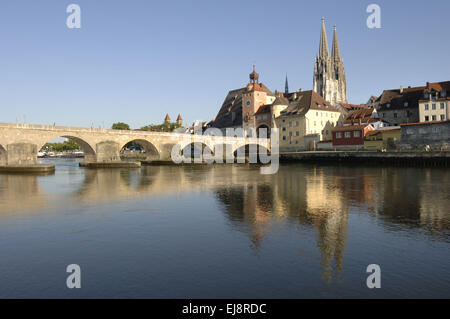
{"x":61,"y":147}
{"x":120,"y":126}
{"x":165,"y":127}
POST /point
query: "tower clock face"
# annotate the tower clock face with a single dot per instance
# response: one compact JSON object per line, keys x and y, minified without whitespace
{"x":248,"y":103}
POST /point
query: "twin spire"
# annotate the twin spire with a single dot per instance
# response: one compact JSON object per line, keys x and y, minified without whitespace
{"x":324,"y":52}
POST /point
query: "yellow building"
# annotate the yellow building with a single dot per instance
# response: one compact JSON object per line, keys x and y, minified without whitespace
{"x":382,"y":139}
{"x":435,"y":103}
{"x":307,"y":115}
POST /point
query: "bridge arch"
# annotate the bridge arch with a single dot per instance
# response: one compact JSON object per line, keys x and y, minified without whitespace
{"x":195,"y":149}
{"x":150,"y":149}
{"x":260,"y":130}
{"x":3,"y":157}
{"x":88,"y":149}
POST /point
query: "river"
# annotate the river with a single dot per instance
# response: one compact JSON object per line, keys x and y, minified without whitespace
{"x":225,"y":231}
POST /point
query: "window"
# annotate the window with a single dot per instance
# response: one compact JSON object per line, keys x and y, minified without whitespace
{"x":284,"y":121}
{"x":347,"y":134}
{"x":383,"y":114}
{"x":388,"y":105}
{"x":410,"y":132}
{"x":406,"y":104}
{"x":284,"y":138}
{"x":338,"y":135}
{"x":442,"y":106}
{"x":433,"y":107}
{"x":290,"y":123}
{"x":427,"y":95}
{"x":265,"y":117}
{"x":395,"y":115}
{"x":327,"y":132}
{"x":297,"y":123}
{"x":284,"y":129}
{"x":442,"y":117}
{"x":435,"y":129}
{"x":356,"y":134}
{"x":314,"y":123}
{"x":248,"y":103}
{"x":434,"y":117}
{"x":427,"y":118}
{"x":443,"y":93}
{"x":427,"y":107}
{"x":297,"y":133}
{"x":290,"y":133}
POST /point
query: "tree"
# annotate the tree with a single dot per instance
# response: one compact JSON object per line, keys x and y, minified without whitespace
{"x":165,"y":127}
{"x":68,"y":145}
{"x":120,"y":126}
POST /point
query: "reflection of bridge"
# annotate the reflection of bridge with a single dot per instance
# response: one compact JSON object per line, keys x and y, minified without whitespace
{"x":20,"y":143}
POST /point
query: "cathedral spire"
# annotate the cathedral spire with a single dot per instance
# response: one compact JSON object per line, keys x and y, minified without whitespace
{"x":336,"y":54}
{"x":286,"y":86}
{"x":323,"y":50}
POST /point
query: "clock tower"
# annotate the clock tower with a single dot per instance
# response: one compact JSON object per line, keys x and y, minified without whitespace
{"x":256,"y":95}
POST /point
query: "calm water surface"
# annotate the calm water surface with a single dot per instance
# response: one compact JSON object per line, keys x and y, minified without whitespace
{"x":226,"y":232}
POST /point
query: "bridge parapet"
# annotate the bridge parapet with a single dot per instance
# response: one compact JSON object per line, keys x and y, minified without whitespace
{"x":19,"y":143}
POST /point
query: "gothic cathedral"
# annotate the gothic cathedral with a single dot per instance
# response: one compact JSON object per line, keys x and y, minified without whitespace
{"x":329,"y":72}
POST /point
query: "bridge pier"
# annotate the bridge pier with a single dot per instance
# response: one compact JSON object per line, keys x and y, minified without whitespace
{"x":107,"y":151}
{"x":21,"y":154}
{"x":22,"y":158}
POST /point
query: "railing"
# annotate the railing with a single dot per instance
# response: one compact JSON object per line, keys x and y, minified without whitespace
{"x":129,"y":132}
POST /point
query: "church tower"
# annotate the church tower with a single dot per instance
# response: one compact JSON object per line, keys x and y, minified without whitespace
{"x":329,"y":72}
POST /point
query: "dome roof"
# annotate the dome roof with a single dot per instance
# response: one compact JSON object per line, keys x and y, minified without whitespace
{"x":254,"y":76}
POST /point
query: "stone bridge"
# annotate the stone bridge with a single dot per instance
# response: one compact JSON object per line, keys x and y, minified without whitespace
{"x":20,"y":143}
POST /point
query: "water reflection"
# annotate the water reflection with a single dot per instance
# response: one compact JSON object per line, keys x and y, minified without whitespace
{"x":322,"y":198}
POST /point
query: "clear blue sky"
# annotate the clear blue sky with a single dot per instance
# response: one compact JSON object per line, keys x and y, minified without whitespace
{"x":136,"y":60}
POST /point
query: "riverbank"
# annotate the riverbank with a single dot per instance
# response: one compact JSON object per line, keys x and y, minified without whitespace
{"x":371,"y":158}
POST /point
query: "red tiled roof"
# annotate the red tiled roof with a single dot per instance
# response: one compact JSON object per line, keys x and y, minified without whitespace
{"x":352,"y":106}
{"x":305,"y":101}
{"x":264,"y":109}
{"x":375,"y":132}
{"x":425,"y":123}
{"x":438,"y":86}
{"x":349,"y":128}
{"x":167,"y":118}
